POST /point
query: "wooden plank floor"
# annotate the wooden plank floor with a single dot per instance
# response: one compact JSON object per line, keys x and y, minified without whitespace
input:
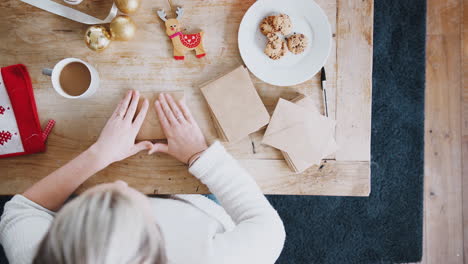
{"x":464,"y":83}
{"x":446,"y":133}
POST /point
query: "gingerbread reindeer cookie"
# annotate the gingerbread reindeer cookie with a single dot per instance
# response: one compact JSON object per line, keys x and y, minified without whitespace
{"x":182,"y":42}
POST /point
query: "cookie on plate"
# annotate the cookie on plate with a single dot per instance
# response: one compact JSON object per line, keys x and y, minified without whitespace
{"x":266,"y":26}
{"x":274,"y":51}
{"x":274,"y":39}
{"x":297,"y":43}
{"x":282,"y":24}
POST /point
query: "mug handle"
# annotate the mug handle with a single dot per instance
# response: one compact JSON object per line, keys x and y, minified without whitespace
{"x":47,"y":71}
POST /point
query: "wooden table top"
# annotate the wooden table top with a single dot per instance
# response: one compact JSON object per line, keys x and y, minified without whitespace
{"x":39,"y":39}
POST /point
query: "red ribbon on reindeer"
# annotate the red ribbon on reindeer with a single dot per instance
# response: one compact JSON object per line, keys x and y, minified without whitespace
{"x":182,"y":42}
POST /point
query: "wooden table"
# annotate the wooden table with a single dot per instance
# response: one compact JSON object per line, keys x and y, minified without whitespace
{"x":39,"y":39}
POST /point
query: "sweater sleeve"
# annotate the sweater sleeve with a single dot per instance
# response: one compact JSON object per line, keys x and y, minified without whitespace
{"x":259,"y":233}
{"x":22,"y":226}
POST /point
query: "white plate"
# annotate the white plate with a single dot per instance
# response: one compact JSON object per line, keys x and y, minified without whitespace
{"x":307,"y":18}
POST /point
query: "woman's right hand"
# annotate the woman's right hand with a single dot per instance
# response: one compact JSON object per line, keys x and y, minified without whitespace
{"x":185,"y":140}
{"x":117,"y":139}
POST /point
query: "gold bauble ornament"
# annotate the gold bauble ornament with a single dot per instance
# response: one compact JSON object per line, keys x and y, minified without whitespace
{"x":97,"y":38}
{"x":122,"y":28}
{"x":128,"y":6}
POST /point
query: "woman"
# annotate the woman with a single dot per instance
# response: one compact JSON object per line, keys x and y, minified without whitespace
{"x":113,"y":223}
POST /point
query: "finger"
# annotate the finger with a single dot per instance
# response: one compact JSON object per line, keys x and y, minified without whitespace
{"x":162,"y":117}
{"x":159,"y":147}
{"x":141,"y":115}
{"x":185,"y":111}
{"x":141,"y":146}
{"x":123,"y":105}
{"x":167,"y":110}
{"x":133,"y":106}
{"x":175,"y":108}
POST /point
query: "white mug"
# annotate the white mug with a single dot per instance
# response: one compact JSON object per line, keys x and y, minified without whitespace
{"x":73,"y":2}
{"x":55,"y":76}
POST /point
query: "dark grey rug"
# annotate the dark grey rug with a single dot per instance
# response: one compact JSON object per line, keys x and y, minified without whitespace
{"x":387,"y":226}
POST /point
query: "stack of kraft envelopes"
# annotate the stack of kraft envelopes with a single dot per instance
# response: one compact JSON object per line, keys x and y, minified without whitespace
{"x":296,"y":128}
{"x":303,"y":135}
{"x":235,"y":106}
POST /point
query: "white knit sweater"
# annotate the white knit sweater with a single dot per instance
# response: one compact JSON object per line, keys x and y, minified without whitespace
{"x":195,"y":229}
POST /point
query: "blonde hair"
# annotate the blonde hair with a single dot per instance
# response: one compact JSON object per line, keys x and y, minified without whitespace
{"x":101,"y":227}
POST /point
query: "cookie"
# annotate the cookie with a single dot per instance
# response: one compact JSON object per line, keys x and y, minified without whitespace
{"x":274,"y":39}
{"x":266,"y":26}
{"x":282,"y":24}
{"x":276,"y":52}
{"x":297,"y":43}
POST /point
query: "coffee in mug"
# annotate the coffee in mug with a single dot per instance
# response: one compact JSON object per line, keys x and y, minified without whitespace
{"x":73,"y":78}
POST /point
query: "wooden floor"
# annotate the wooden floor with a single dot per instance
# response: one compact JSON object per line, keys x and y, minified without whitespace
{"x":446,"y":133}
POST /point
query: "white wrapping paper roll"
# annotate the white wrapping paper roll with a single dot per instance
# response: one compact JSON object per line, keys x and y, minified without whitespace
{"x":70,"y":13}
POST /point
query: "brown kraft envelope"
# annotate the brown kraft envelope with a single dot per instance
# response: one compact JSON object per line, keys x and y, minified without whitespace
{"x":235,"y":105}
{"x":331,"y":148}
{"x":151,"y":128}
{"x":302,"y":134}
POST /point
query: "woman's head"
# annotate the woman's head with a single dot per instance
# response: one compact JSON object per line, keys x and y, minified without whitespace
{"x":110,"y":223}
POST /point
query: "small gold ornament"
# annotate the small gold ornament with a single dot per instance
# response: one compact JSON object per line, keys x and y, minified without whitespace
{"x":128,"y":6}
{"x":122,"y":28}
{"x":97,"y":38}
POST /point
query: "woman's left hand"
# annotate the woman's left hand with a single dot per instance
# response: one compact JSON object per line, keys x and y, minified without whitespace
{"x":117,"y":139}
